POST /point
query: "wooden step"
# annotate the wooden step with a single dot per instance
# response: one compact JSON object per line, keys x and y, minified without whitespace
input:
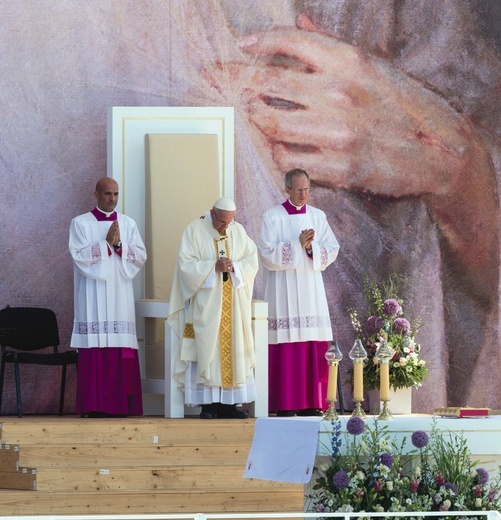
{"x":159,"y":479}
{"x":32,"y":431}
{"x":25,"y":478}
{"x":106,"y":457}
{"x":135,"y":466}
{"x":89,"y":503}
{"x":9,"y":457}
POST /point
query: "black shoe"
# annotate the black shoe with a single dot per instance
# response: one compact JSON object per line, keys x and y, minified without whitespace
{"x":286,"y":413}
{"x":230,"y":411}
{"x":208,"y":411}
{"x":98,"y":415}
{"x":310,"y":412}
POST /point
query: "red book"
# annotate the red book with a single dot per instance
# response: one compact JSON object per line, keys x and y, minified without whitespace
{"x":457,"y":411}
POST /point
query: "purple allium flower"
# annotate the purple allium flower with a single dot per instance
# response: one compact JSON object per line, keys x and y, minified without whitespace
{"x":483,"y":476}
{"x":401,"y":326}
{"x":373,"y":325}
{"x":391,"y":307}
{"x":340,"y":479}
{"x":452,"y":487}
{"x":420,"y":439}
{"x":386,"y":460}
{"x":355,"y":425}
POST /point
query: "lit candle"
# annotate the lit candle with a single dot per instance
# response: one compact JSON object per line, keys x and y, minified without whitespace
{"x":358,"y":379}
{"x":384,"y":375}
{"x":332,"y":382}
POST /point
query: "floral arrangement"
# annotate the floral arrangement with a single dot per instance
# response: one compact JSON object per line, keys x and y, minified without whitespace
{"x":386,"y":321}
{"x":369,"y":472}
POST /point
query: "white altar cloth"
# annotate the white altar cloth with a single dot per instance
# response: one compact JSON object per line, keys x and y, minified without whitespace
{"x":292,"y":437}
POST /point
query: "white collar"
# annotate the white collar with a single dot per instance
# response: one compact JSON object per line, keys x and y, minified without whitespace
{"x":104,"y":212}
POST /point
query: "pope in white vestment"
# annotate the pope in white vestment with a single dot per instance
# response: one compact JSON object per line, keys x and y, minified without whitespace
{"x":296,"y":244}
{"x":210,"y":311}
{"x":107,"y":253}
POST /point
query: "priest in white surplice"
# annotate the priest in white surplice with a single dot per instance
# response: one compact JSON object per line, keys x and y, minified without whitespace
{"x":107,"y":253}
{"x":210,"y":310}
{"x":295,"y":245}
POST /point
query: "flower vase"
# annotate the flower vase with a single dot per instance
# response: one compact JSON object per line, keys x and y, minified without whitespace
{"x":400,"y":401}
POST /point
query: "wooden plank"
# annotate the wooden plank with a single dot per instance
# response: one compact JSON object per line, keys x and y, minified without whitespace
{"x":180,"y":479}
{"x":23,"y":479}
{"x":139,"y":430}
{"x":9,"y":457}
{"x":44,"y":503}
{"x":106,"y":457}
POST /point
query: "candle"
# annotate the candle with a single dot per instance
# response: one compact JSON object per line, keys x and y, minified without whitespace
{"x":332,"y":382}
{"x":358,"y":380}
{"x":384,"y":375}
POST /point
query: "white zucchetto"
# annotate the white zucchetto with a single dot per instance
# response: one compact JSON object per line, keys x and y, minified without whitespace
{"x":225,"y":204}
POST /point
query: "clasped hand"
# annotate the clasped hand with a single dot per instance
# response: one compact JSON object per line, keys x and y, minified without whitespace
{"x":113,"y":236}
{"x":224,"y":265}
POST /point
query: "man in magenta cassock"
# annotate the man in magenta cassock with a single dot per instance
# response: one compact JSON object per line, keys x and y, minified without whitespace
{"x":107,"y":253}
{"x":295,"y":245}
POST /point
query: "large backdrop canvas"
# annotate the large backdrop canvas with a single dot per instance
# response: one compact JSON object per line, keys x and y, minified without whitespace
{"x":392,"y":106}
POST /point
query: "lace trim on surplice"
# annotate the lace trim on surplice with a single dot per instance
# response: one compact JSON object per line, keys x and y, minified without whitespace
{"x":298,"y":322}
{"x":104,"y":327}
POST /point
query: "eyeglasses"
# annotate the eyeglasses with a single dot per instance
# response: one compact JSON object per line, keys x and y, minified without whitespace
{"x":300,"y":190}
{"x":221,"y":222}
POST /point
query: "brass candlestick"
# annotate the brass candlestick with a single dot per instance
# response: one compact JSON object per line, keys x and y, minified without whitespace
{"x":385,"y":414}
{"x":358,"y":354}
{"x":330,"y":414}
{"x":358,"y":410}
{"x":384,"y":353}
{"x":333,"y":357}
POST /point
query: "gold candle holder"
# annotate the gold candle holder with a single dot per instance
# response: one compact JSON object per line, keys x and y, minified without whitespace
{"x":330,"y":414}
{"x":358,"y":355}
{"x":333,"y":357}
{"x":385,"y":414}
{"x":358,"y":411}
{"x":383,"y":354}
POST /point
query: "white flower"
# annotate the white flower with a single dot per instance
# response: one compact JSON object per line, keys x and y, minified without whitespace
{"x":360,"y":475}
{"x":417,"y":471}
{"x":421,"y":362}
{"x":345,"y":508}
{"x":446,"y":505}
{"x":478,"y":502}
{"x":383,"y":444}
{"x":378,"y":509}
{"x":402,"y":361}
{"x":389,"y":485}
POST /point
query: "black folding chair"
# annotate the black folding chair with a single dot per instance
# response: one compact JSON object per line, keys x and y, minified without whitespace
{"x":24,"y":330}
